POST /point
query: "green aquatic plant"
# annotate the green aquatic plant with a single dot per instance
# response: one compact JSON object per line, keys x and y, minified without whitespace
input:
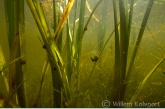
{"x":122,"y":75}
{"x":46,"y":66}
{"x":140,"y":35}
{"x":121,"y":47}
{"x":10,"y":97}
{"x":75,"y":84}
{"x":15,"y":28}
{"x":59,"y":77}
{"x":9,"y":12}
{"x":78,"y":43}
{"x":10,"y":64}
{"x":137,"y":92}
{"x":6,"y":102}
{"x":117,"y":54}
{"x":102,"y":26}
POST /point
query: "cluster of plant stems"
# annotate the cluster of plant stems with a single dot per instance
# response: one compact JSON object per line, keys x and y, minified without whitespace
{"x":60,"y":71}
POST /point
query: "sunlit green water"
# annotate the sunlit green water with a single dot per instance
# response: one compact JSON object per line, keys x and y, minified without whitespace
{"x":102,"y":78}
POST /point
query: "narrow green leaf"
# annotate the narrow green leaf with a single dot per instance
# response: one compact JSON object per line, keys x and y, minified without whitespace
{"x":136,"y":94}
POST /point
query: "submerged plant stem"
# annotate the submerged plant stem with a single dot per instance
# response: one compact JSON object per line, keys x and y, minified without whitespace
{"x":135,"y":49}
{"x":117,"y":56}
{"x":123,"y":46}
{"x":137,"y":92}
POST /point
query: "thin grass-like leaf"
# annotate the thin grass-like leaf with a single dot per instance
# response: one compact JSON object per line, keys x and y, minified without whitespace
{"x":3,"y":100}
{"x":162,"y":50}
{"x":100,"y":54}
{"x":117,"y":55}
{"x":10,"y":64}
{"x":44,"y":70}
{"x":9,"y":12}
{"x":20,"y":27}
{"x":124,"y":42}
{"x":102,"y":27}
{"x":78,"y":41}
{"x":7,"y":102}
{"x":56,"y":61}
{"x":136,"y":94}
{"x":74,"y":21}
{"x":143,"y":25}
{"x":130,"y":18}
{"x":86,"y":25}
{"x":68,"y":52}
{"x":88,"y":6}
{"x":63,"y":19}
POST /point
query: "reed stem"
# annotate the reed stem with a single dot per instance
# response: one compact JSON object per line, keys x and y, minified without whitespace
{"x":117,"y":56}
{"x":138,"y":40}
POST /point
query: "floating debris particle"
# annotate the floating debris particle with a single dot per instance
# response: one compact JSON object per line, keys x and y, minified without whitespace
{"x":157,"y":83}
{"x":23,"y":62}
{"x":94,"y":58}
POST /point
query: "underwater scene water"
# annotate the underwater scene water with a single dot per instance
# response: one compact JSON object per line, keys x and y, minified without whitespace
{"x":82,"y":53}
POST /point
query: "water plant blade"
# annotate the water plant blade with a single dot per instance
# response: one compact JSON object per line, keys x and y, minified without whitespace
{"x":63,"y":18}
{"x":117,"y":55}
{"x":136,"y":94}
{"x":90,"y":10}
{"x":56,"y":61}
{"x":141,"y":31}
{"x":124,"y":42}
{"x":78,"y":43}
{"x":86,"y":25}
{"x":9,"y":12}
{"x":102,"y":26}
{"x":39,"y":91}
{"x":10,"y":64}
{"x":3,"y":100}
{"x":106,"y":42}
{"x":10,"y":97}
{"x":20,"y":27}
